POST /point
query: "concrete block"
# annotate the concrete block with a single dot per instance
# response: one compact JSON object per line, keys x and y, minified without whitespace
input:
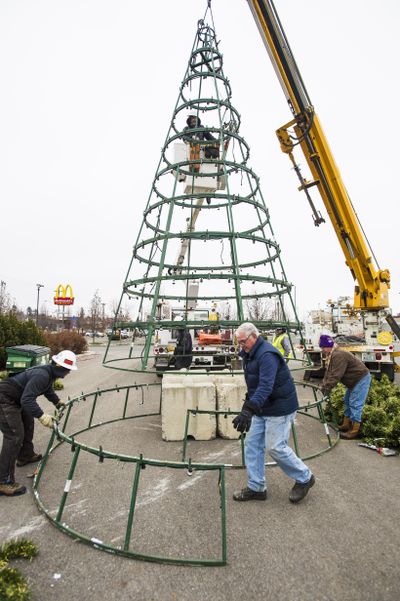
{"x":231,"y":392}
{"x":180,"y":393}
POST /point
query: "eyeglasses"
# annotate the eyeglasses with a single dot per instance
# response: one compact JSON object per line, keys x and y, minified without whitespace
{"x":242,"y":342}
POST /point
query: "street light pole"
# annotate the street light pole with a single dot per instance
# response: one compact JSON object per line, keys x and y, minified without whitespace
{"x":38,"y":286}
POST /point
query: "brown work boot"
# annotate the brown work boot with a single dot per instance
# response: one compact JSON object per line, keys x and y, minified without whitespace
{"x":32,"y":459}
{"x":12,"y":490}
{"x":353,"y":433}
{"x":346,"y":425}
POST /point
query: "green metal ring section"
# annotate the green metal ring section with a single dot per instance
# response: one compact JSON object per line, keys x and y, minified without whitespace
{"x":211,"y":236}
{"x":226,"y":137}
{"x":187,"y":200}
{"x":302,"y":410}
{"x":223,"y":369}
{"x":59,"y":437}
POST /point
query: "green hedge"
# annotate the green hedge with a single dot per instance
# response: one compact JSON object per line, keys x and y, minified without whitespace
{"x":14,"y":332}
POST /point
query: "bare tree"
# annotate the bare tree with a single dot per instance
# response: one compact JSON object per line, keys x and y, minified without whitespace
{"x":114,"y":307}
{"x":95,"y":313}
{"x":227,"y":311}
{"x":5,"y":299}
{"x":80,"y":322}
{"x":122,"y":314}
{"x":259,"y":309}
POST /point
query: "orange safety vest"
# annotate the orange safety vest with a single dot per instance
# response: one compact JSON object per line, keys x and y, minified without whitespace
{"x":195,"y":156}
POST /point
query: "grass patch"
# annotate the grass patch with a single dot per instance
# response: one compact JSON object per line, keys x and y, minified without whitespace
{"x":13,"y":585}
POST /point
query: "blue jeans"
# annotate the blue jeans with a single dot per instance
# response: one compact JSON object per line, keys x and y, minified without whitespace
{"x":271,"y":435}
{"x":354,"y":399}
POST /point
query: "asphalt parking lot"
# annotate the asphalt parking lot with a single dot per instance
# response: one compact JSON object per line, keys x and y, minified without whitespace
{"x":341,"y":543}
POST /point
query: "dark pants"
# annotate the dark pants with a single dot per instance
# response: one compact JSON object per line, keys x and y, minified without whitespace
{"x":26,"y":451}
{"x":17,"y":427}
{"x":12,"y":427}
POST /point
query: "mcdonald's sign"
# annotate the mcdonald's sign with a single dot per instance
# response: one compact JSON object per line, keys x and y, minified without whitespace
{"x":64,"y":295}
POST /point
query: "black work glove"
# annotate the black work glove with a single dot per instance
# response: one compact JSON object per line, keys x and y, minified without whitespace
{"x":242,"y":422}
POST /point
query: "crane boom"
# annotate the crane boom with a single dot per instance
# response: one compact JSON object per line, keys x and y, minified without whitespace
{"x":372,"y":283}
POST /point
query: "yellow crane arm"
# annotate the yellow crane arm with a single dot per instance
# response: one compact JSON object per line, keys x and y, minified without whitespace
{"x":304,"y":130}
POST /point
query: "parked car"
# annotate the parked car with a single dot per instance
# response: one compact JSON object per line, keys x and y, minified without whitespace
{"x":118,"y":334}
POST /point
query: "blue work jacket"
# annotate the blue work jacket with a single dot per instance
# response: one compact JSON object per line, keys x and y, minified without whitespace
{"x":269,"y":382}
{"x":31,"y":383}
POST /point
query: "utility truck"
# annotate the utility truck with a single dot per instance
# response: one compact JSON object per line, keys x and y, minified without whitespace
{"x":346,"y":326}
{"x":304,"y":132}
{"x":211,"y":347}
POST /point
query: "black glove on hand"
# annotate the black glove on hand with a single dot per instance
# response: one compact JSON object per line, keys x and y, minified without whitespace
{"x":242,"y":422}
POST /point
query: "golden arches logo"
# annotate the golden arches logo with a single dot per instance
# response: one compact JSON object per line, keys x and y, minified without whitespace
{"x":64,"y":295}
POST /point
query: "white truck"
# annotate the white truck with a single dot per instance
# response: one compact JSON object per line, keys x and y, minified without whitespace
{"x":211,"y":349}
{"x":354,"y":331}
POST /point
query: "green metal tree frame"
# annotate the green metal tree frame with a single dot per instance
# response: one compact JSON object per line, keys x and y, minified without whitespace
{"x":209,"y":208}
{"x":135,"y":396}
{"x":206,"y":203}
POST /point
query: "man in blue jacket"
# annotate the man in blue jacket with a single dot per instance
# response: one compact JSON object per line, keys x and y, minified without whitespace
{"x":19,"y":407}
{"x":267,"y":415}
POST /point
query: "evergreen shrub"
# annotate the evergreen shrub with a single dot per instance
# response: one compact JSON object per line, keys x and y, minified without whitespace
{"x":381,"y":414}
{"x":14,"y":332}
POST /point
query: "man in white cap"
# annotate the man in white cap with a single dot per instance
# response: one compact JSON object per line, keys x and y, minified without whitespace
{"x":19,"y":407}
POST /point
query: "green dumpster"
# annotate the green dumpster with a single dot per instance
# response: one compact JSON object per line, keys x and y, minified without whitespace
{"x":26,"y":355}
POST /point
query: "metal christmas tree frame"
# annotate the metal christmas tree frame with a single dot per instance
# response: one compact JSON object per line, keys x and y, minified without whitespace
{"x":206,"y":238}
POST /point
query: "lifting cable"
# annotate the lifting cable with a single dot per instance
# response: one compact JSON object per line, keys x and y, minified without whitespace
{"x":211,"y":14}
{"x":363,"y":231}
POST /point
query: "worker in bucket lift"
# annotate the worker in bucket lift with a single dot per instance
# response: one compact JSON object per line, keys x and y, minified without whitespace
{"x":194,"y":122}
{"x":19,"y":407}
{"x":194,"y":138}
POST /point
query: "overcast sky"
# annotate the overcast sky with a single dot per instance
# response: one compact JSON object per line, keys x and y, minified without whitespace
{"x":87,"y":92}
